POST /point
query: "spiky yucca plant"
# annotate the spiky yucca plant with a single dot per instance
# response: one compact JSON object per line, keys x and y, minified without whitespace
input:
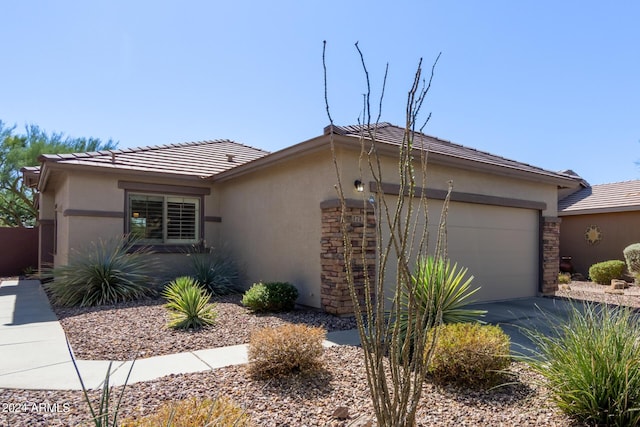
{"x":441,"y":292}
{"x":437,"y":283}
{"x":189,"y":304}
{"x":214,"y":269}
{"x":106,"y":272}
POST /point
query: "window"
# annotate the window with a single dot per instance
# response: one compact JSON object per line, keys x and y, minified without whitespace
{"x":164,"y":219}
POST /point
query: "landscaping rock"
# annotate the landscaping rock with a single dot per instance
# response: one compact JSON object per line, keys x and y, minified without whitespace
{"x":614,"y":291}
{"x":361,"y":421}
{"x":619,"y":284}
{"x":341,"y":413}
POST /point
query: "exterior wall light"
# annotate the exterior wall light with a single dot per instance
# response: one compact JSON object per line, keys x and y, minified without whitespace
{"x":359,"y":185}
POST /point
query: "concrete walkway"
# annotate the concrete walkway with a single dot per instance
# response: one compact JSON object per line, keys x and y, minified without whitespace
{"x":34,"y":352}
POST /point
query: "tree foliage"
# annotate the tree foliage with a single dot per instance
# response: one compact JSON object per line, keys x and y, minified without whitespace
{"x":18,"y":150}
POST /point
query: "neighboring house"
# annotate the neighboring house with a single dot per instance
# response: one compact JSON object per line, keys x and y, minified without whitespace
{"x":278,"y":213}
{"x":598,"y":222}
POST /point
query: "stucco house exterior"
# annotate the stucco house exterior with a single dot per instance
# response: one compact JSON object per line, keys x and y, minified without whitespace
{"x":598,"y":222}
{"x":278,"y":213}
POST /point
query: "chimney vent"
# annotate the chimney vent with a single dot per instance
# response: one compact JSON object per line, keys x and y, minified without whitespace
{"x":230,"y":158}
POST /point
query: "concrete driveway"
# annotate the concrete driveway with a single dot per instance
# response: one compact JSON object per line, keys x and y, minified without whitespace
{"x":535,"y":313}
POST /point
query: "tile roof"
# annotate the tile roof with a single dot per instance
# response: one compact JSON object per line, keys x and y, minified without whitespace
{"x":391,"y":134}
{"x":614,"y":197}
{"x":201,"y":159}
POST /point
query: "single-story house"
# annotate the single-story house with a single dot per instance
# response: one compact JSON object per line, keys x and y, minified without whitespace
{"x":598,"y":222}
{"x":278,"y":213}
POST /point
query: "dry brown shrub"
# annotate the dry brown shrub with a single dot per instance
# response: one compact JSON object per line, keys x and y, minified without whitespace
{"x":221,"y":412}
{"x":287,"y":349}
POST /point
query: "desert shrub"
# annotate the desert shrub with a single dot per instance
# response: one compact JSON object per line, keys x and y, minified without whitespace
{"x":469,"y":354}
{"x":632,"y":257}
{"x":221,"y":412}
{"x":604,"y":272}
{"x":189,"y":304}
{"x":105,"y":272}
{"x":440,"y":289}
{"x":270,"y":296}
{"x":564,"y":278}
{"x":591,"y":364}
{"x":215,"y":269}
{"x":287,"y":349}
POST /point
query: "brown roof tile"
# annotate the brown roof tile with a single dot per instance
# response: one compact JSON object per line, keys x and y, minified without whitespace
{"x":614,"y":197}
{"x":202,"y":159}
{"x":391,"y":134}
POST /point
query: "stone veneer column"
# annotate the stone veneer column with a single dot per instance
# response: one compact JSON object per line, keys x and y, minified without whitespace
{"x":550,"y":254}
{"x":334,"y":294}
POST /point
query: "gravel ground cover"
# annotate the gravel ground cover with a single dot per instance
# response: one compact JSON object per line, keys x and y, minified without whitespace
{"x":138,"y":329}
{"x":295,"y":401}
{"x":306,"y":400}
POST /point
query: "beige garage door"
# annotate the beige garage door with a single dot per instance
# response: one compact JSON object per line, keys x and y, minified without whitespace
{"x":499,"y":246}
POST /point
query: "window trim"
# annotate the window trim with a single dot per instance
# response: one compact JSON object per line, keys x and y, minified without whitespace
{"x":167,"y":245}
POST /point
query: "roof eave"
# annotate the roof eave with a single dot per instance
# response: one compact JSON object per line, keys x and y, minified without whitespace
{"x":321,"y":142}
{"x":614,"y":209}
{"x":48,"y":167}
{"x":309,"y":146}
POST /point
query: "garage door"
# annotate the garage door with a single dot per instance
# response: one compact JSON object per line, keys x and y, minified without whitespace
{"x":499,"y":246}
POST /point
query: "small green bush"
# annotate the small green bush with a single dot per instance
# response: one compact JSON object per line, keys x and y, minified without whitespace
{"x":106,"y":272}
{"x":189,"y":304}
{"x":287,"y":349}
{"x":591,"y":364}
{"x":564,"y":278}
{"x":270,"y":296}
{"x":604,"y":272}
{"x":632,"y":257}
{"x":221,"y":412}
{"x":469,"y":354}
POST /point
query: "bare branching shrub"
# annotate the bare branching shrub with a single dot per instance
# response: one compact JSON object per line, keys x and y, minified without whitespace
{"x":287,"y":349}
{"x":401,"y":239}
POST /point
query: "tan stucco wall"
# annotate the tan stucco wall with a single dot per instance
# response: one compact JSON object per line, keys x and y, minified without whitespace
{"x":271,"y":220}
{"x":465,"y":181}
{"x":84,"y":191}
{"x":618,"y":231}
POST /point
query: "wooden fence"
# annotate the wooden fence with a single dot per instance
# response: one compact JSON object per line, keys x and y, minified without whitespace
{"x":18,"y":250}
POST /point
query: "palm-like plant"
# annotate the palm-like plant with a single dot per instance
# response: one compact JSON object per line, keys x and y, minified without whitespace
{"x":107,"y":272}
{"x":189,"y":304}
{"x":437,"y":283}
{"x":441,"y":292}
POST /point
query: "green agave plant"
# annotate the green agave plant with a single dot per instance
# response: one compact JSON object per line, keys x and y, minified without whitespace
{"x":189,"y":304}
{"x":106,"y":272}
{"x":215,"y":270}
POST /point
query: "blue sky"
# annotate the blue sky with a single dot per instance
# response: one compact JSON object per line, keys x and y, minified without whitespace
{"x":553,"y":84}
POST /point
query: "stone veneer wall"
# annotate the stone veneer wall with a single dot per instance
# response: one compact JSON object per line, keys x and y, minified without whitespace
{"x":550,"y":254}
{"x":335,"y":296}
